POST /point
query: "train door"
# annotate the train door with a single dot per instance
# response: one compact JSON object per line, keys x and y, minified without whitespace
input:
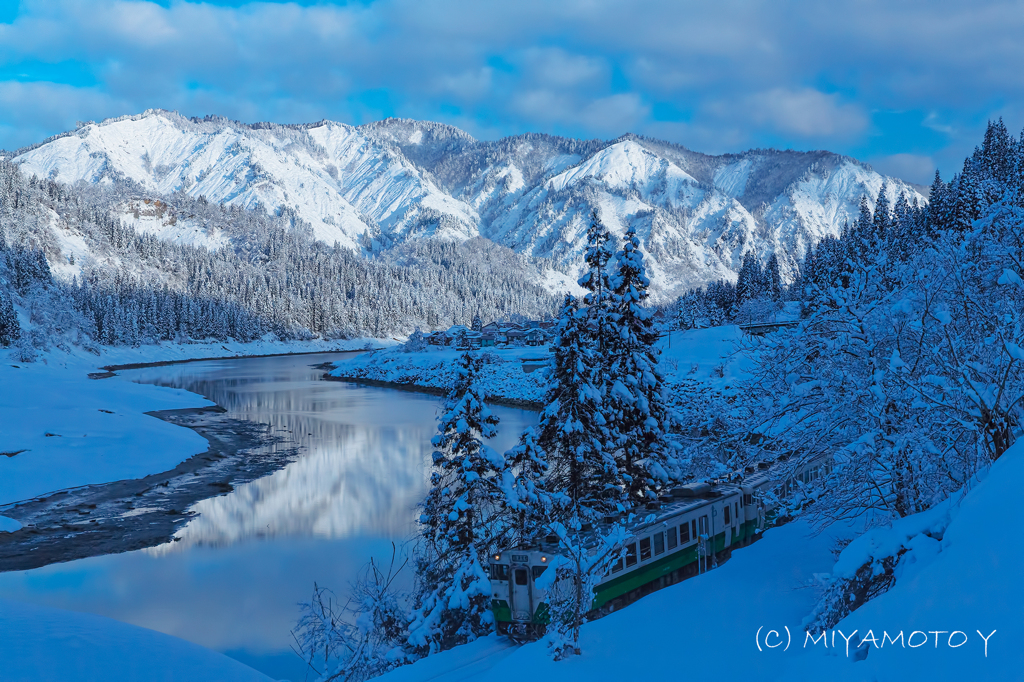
{"x":521,"y":589}
{"x":735,"y":520}
{"x":703,"y":543}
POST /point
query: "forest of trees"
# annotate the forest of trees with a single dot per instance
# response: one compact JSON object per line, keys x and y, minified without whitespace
{"x":272,"y":277}
{"x":906,"y":371}
{"x":756,"y":294}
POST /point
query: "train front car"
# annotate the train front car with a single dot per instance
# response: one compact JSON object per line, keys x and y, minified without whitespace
{"x":517,"y":603}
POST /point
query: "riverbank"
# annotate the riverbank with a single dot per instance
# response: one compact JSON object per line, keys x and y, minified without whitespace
{"x":510,"y":376}
{"x":517,"y":376}
{"x":532,"y":405}
{"x":132,"y":514}
{"x":77,"y":456}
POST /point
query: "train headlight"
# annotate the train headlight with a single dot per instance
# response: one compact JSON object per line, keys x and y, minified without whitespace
{"x":543,"y":558}
{"x":497,"y":557}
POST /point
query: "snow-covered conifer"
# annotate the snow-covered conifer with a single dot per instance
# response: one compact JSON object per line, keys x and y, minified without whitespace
{"x":865,"y":220}
{"x":10,"y":329}
{"x":453,"y":593}
{"x":572,"y":429}
{"x":595,"y":280}
{"x":773,"y":279}
{"x":750,"y":281}
{"x":526,"y":498}
{"x":635,"y":390}
{"x":416,"y":342}
{"x":882,"y":218}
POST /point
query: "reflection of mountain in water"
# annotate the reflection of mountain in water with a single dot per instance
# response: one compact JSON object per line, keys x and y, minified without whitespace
{"x":367,"y":482}
{"x":365,"y":452}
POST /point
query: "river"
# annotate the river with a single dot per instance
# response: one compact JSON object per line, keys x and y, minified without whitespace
{"x":240,"y":566}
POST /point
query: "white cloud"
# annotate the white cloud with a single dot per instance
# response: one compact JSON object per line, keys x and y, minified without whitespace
{"x":554,"y":67}
{"x":910,"y":167}
{"x":614,"y":115}
{"x":807,"y":113}
{"x":737,"y":71}
{"x":33,"y":111}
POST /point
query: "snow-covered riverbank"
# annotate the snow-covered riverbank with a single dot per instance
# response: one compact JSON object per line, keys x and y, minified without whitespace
{"x":511,"y":376}
{"x":63,"y":430}
{"x":40,"y":644}
{"x":60,"y":429}
{"x":515,"y":375}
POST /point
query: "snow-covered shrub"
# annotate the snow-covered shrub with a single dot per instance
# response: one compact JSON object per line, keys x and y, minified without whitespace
{"x":360,"y":638}
{"x":416,"y":343}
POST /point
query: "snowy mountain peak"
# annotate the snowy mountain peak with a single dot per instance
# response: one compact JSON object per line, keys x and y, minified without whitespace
{"x":376,"y":185}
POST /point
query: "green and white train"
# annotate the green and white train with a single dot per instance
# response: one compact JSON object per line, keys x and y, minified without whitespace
{"x":694,"y":528}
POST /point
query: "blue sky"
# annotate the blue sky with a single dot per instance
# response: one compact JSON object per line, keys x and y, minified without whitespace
{"x":906,"y":86}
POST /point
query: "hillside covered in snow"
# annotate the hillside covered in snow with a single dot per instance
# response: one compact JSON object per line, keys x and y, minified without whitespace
{"x":374,"y":186}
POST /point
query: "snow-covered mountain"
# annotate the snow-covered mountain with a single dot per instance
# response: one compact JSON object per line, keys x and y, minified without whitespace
{"x":373,"y":186}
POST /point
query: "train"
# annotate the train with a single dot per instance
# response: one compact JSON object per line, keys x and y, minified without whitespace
{"x":686,"y":533}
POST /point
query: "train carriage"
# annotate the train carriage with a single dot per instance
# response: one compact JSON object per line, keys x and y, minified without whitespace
{"x":696,"y":526}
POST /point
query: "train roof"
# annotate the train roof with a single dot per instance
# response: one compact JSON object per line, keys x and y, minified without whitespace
{"x":692,"y":496}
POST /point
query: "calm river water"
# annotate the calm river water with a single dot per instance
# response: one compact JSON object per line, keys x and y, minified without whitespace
{"x":233,"y":580}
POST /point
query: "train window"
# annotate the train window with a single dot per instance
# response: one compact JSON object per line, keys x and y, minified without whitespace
{"x":537,"y":570}
{"x":693,"y":527}
{"x":499,"y":571}
{"x":645,"y":549}
{"x":521,"y":576}
{"x":736,"y":508}
{"x":748,"y":499}
{"x":631,"y":554}
{"x":659,"y":544}
{"x":684,"y":533}
{"x":672,"y":537}
{"x":617,"y":567}
{"x":727,"y":509}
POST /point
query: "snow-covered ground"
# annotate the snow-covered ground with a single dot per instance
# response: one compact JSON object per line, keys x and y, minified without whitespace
{"x":38,"y":644}
{"x":507,"y":374}
{"x":59,"y":429}
{"x":710,"y":356}
{"x":63,"y":430}
{"x":731,"y":623}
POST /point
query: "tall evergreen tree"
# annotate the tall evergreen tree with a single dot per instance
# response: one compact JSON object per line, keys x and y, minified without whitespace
{"x":635,"y":386}
{"x":750,"y":282}
{"x":773,"y":279}
{"x":865,"y":220}
{"x":528,"y":499}
{"x":595,"y":280}
{"x":453,"y":595}
{"x":572,"y":430}
{"x":10,"y":329}
{"x":882,"y":218}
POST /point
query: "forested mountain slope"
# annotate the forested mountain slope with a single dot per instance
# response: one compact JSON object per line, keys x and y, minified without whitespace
{"x":73,"y":272}
{"x":374,"y":186}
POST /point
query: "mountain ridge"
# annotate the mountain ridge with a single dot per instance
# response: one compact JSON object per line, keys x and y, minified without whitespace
{"x":379,"y":184}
